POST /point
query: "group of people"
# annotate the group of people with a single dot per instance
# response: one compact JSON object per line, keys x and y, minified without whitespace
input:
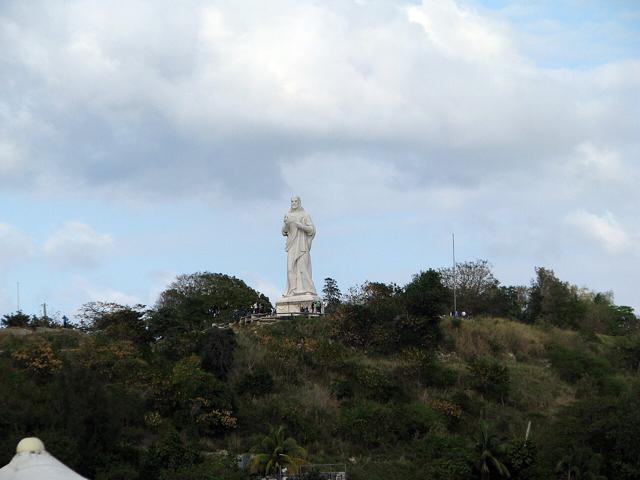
{"x":258,"y":308}
{"x":316,"y":307}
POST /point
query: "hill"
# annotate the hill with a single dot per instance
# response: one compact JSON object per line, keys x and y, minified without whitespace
{"x":387,"y":385}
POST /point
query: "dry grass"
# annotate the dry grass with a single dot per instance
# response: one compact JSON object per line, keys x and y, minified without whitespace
{"x":494,"y":336}
{"x":538,"y":389}
{"x":315,"y":397}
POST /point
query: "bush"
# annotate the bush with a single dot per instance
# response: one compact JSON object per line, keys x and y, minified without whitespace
{"x":490,"y":378}
{"x":379,"y":385}
{"x":520,"y":457}
{"x":434,"y":374}
{"x":444,"y":457}
{"x":572,"y":365}
{"x":342,"y":389}
{"x":425,"y":296}
{"x":216,"y":351}
{"x":373,"y":424}
{"x":258,"y":383}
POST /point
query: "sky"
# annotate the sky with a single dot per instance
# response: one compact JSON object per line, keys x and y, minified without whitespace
{"x":140,"y":140}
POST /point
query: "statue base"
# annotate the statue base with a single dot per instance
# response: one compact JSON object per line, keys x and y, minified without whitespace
{"x":295,"y":304}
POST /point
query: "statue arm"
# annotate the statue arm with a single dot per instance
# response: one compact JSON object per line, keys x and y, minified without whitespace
{"x":308,"y":229}
{"x":307,"y":226}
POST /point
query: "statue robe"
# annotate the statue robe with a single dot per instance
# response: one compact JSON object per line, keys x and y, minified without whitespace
{"x":299,"y":281}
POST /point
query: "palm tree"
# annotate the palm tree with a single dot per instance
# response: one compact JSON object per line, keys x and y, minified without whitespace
{"x":488,"y":463}
{"x":276,"y":452}
{"x":567,"y":466}
{"x":580,"y":465}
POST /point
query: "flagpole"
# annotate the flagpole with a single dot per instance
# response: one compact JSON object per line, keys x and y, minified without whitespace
{"x":455,"y":279}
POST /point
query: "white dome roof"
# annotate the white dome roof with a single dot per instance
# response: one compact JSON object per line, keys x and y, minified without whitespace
{"x":33,"y":462}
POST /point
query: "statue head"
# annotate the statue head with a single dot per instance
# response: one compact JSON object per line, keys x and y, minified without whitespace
{"x":295,"y":203}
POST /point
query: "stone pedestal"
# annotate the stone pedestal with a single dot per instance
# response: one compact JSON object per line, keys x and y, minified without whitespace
{"x":294,"y":304}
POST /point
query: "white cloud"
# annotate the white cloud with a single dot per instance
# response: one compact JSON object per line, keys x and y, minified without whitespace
{"x":10,"y":157}
{"x":115,"y":100}
{"x":461,"y":32}
{"x":605,"y":230}
{"x":599,"y":164}
{"x":77,"y":245}
{"x":111,"y":295}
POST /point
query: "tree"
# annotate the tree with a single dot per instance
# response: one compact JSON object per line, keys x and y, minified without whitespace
{"x":596,"y":437}
{"x":214,"y":296}
{"x":509,"y":302}
{"x":276,"y":452}
{"x":487,"y":449}
{"x":216,"y":351}
{"x":369,"y":317}
{"x":118,"y":322}
{"x":193,"y":303}
{"x":331,"y":294}
{"x":426,"y":296}
{"x":554,"y":301}
{"x":490,"y":378}
{"x":17,"y":319}
{"x":580,"y":464}
{"x":474,"y":282}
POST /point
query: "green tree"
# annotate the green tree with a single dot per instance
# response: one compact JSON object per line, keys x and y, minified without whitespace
{"x":597,"y":427}
{"x":115,"y":321}
{"x":197,"y":398}
{"x":426,"y":296}
{"x":192,"y":304}
{"x":276,"y":452}
{"x":331,"y":294}
{"x":490,"y":378}
{"x":488,"y":463}
{"x":509,"y":302}
{"x":580,"y":464}
{"x":17,"y":319}
{"x":520,"y":458}
{"x":475,"y":285}
{"x":368,"y":318}
{"x":216,"y":351}
{"x":256,"y":383}
{"x":554,"y":301}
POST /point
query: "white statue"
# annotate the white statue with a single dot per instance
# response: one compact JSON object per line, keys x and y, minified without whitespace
{"x":299,"y":230}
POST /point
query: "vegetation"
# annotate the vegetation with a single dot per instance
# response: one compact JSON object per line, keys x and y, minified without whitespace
{"x":389,"y":383}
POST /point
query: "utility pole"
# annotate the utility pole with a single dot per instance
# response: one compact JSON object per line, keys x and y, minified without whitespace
{"x":44,"y":310}
{"x":455,"y":279}
{"x":18,"y":295}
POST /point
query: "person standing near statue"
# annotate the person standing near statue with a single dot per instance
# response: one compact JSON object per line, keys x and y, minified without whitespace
{"x":298,"y":228}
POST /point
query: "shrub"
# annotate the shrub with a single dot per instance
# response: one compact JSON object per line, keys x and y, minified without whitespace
{"x":490,"y":378}
{"x":342,"y":389}
{"x":425,"y":296}
{"x":373,"y":424}
{"x":216,"y":351}
{"x":379,"y":385}
{"x":572,"y":365}
{"x":434,"y":374}
{"x":258,"y":383}
{"x":444,"y":457}
{"x":520,"y":457}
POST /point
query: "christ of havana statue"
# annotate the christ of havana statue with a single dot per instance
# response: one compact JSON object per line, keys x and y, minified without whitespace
{"x":299,"y":231}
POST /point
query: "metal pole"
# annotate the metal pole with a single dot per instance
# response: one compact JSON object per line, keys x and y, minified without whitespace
{"x":455,"y":279}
